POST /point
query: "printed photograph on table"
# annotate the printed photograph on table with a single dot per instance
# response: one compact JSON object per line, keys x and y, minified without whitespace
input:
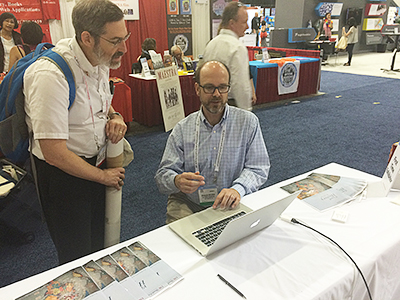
{"x":110,"y":287}
{"x":75,"y":284}
{"x":323,"y":191}
{"x":112,"y":268}
{"x":128,"y":261}
{"x":160,"y":267}
{"x":145,"y":254}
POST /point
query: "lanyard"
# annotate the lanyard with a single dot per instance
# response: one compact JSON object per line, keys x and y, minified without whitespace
{"x":197,"y":146}
{"x":96,"y":137}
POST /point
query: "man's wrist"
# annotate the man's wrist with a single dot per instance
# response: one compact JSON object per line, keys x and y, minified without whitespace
{"x":113,"y":114}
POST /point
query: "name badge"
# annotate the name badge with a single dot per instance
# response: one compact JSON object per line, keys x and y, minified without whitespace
{"x":101,"y":157}
{"x":207,"y":196}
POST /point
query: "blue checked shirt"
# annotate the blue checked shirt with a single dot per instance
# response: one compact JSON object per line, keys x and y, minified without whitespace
{"x":244,"y":164}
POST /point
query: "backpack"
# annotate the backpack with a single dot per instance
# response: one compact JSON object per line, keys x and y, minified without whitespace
{"x":14,"y":136}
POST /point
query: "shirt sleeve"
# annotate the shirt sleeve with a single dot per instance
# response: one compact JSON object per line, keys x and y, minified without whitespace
{"x":172,"y":163}
{"x":257,"y":164}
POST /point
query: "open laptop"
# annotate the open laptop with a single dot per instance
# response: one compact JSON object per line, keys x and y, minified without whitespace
{"x":229,"y":225}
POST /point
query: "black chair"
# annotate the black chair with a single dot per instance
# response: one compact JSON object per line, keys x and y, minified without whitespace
{"x":136,"y":67}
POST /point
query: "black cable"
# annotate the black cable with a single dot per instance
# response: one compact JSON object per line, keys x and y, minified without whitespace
{"x":293,"y":220}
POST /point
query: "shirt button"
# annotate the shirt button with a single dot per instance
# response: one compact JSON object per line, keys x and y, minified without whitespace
{"x":214,"y":131}
{"x":215,"y":148}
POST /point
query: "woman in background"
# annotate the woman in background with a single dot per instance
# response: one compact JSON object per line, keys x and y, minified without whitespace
{"x":32,"y":35}
{"x":148,"y":44}
{"x":352,"y":38}
{"x":9,"y":38}
{"x":264,"y":34}
{"x":325,"y":30}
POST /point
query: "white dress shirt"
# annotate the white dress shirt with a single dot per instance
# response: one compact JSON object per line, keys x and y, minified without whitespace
{"x":228,"y":49}
{"x":46,"y":102}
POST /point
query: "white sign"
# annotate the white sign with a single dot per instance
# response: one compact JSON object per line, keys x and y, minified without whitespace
{"x":288,"y":77}
{"x":145,"y":67}
{"x":390,"y":178}
{"x":265,"y":55}
{"x":169,"y":89}
{"x":130,"y":8}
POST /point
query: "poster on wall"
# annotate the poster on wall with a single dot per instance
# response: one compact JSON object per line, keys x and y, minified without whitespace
{"x":185,"y":7}
{"x":172,"y":7}
{"x":169,"y":89}
{"x":179,"y":26}
{"x":371,"y":24}
{"x":216,"y":9}
{"x":39,"y":11}
{"x":375,"y":10}
{"x":335,"y":9}
{"x":130,"y":8}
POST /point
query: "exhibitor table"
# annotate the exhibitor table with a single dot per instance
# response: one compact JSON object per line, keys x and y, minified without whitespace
{"x":265,"y":78}
{"x":146,"y":106}
{"x":284,"y":261}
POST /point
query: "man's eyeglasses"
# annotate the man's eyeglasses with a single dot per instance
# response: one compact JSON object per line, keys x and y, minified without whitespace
{"x":118,"y":40}
{"x":210,"y":89}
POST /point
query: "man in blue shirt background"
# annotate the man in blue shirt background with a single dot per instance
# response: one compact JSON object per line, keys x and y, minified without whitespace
{"x":214,"y":156}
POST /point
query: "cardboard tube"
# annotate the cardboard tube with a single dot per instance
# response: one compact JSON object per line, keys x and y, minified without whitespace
{"x":113,"y":197}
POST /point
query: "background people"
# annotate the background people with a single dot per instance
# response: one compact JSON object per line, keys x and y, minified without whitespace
{"x":238,"y":165}
{"x":179,"y":58}
{"x":264,"y":34}
{"x":9,"y":38}
{"x":352,"y":38}
{"x":32,"y":35}
{"x":69,"y":143}
{"x":148,"y":44}
{"x":228,"y":49}
{"x":255,"y":26}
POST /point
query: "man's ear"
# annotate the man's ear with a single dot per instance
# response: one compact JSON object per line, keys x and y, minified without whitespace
{"x":87,"y":39}
{"x":197,"y":88}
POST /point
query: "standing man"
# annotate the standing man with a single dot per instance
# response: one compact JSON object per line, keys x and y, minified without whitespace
{"x":228,"y":49}
{"x":68,"y":144}
{"x":255,"y":26}
{"x":214,"y":156}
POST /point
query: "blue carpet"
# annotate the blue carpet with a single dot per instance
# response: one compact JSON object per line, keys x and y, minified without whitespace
{"x":354,"y":123}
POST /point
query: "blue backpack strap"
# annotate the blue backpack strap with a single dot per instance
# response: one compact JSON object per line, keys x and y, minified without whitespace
{"x":59,"y":61}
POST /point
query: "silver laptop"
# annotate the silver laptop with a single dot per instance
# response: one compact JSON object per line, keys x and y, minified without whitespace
{"x":213,"y":229}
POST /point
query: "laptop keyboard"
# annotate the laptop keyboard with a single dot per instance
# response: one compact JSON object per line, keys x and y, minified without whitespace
{"x":208,"y":235}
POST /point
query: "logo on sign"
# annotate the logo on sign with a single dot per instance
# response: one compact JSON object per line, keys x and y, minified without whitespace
{"x":288,"y":75}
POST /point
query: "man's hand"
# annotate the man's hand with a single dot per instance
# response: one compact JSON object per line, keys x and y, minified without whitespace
{"x":189,"y":182}
{"x":227,"y":198}
{"x":114,"y":177}
{"x":115,"y":129}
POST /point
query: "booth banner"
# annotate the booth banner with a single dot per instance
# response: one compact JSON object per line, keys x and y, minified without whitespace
{"x":288,"y":77}
{"x":179,"y":25}
{"x":32,"y":10}
{"x":130,"y":8}
{"x":169,"y":89}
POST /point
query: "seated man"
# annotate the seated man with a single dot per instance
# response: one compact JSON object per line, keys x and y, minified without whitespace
{"x":178,"y":56}
{"x":214,"y":156}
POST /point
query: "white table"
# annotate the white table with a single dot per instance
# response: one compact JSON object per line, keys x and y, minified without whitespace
{"x":284,"y":261}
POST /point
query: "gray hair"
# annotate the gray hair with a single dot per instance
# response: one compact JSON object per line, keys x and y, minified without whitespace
{"x":175,"y":48}
{"x":93,"y":15}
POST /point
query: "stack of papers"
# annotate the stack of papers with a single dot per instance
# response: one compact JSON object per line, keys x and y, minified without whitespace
{"x":324,"y":191}
{"x":131,"y":273}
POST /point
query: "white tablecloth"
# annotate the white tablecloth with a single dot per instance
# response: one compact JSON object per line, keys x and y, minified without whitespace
{"x":284,"y":261}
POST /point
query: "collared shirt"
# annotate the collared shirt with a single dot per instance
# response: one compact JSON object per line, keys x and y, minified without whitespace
{"x":228,"y":49}
{"x":244,"y":164}
{"x":46,"y":102}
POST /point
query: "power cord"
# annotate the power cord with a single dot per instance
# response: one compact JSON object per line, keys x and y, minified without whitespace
{"x":294,"y":221}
